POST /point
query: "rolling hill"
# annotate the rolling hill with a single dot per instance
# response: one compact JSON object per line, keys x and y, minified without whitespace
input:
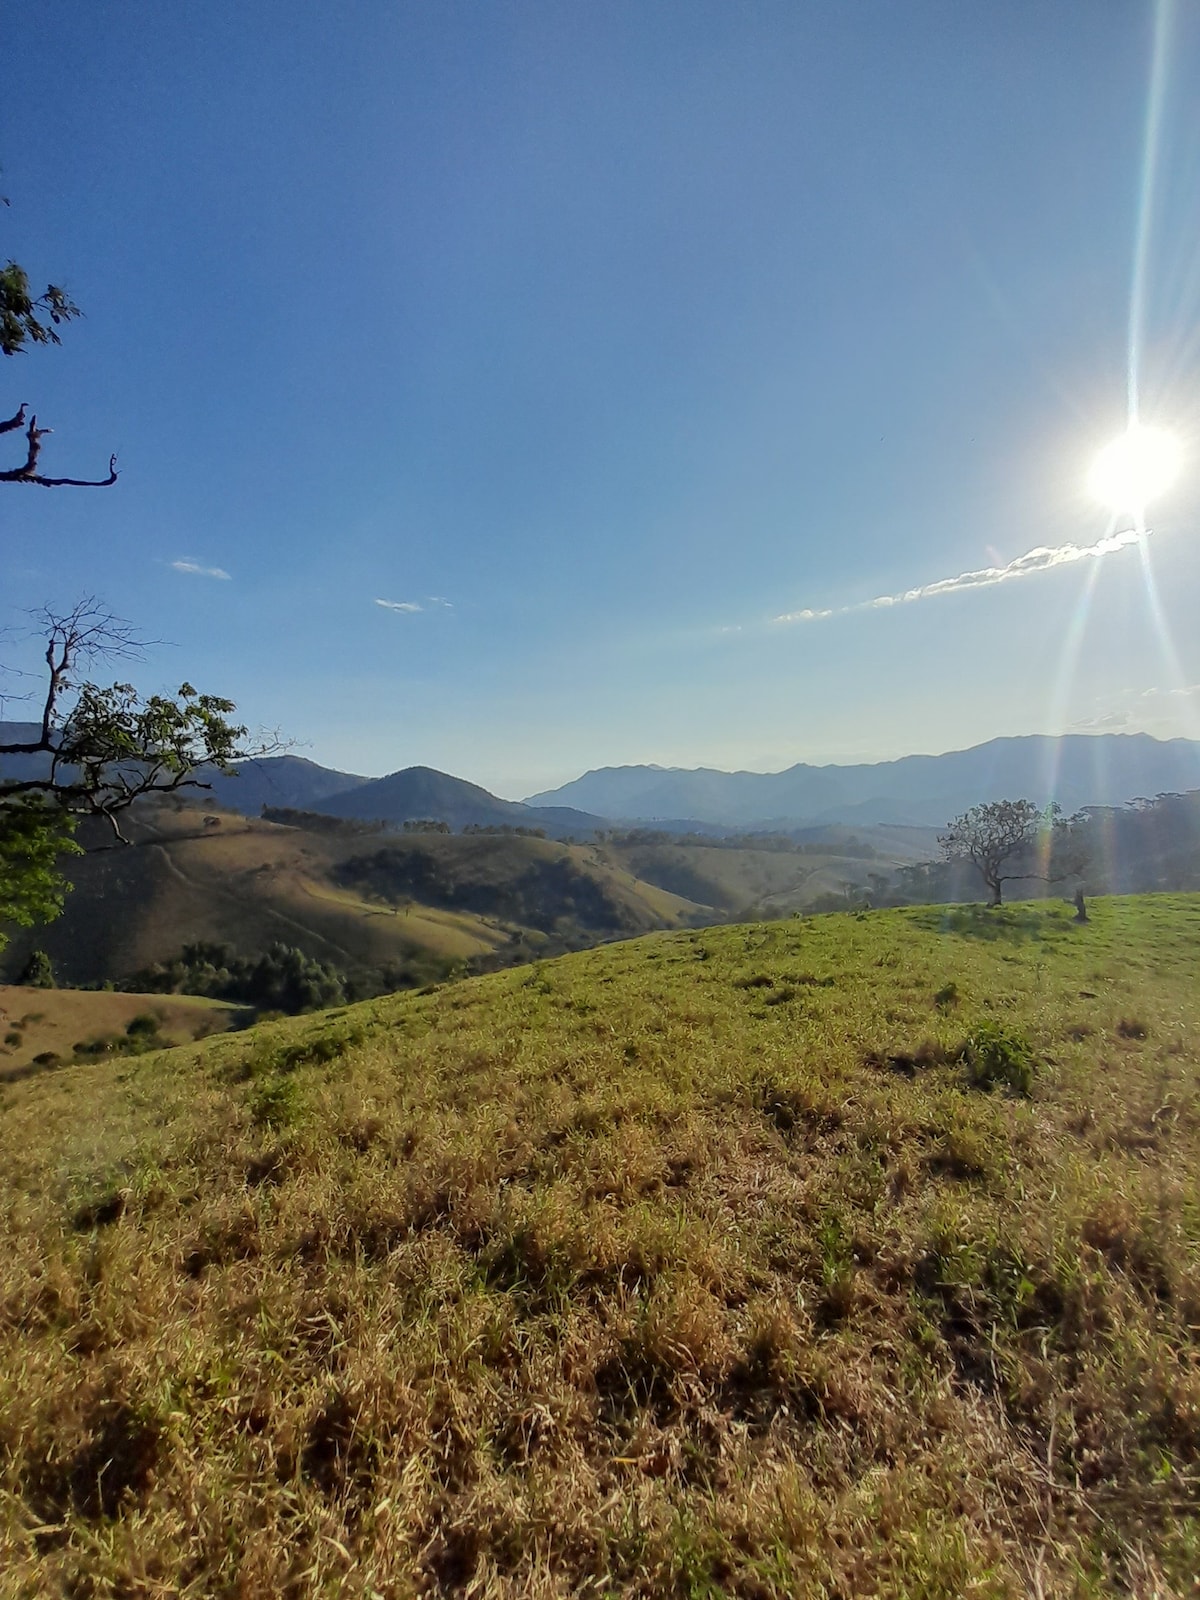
{"x":836,"y":1258}
{"x":420,"y":793}
{"x":743,"y":881}
{"x":1078,"y":770}
{"x":279,"y":781}
{"x":404,"y":908}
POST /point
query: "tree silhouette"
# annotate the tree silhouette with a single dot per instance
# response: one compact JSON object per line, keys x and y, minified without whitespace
{"x":993,"y":837}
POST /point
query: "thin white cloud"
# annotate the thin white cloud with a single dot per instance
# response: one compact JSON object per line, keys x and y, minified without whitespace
{"x":197,"y":570}
{"x":431,"y":602}
{"x":1041,"y":559}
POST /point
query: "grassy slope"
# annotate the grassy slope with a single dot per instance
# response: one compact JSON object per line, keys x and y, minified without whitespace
{"x":249,"y":883}
{"x":59,"y":1019}
{"x":732,"y":880}
{"x":676,"y":1267}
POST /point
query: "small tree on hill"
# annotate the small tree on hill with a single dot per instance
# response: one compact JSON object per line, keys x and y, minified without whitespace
{"x":995,"y":837}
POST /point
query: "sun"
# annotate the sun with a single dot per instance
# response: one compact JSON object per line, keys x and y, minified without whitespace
{"x":1135,"y":469}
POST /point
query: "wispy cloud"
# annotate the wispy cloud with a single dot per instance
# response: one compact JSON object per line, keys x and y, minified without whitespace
{"x":197,"y":570}
{"x":431,"y":602}
{"x":1041,"y":559}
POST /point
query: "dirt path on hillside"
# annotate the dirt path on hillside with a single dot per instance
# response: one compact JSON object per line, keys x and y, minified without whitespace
{"x":270,"y":911}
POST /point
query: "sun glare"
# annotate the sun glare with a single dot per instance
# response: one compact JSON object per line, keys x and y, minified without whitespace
{"x":1135,"y":469}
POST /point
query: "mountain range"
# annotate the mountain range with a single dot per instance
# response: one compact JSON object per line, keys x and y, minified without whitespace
{"x":291,"y":782}
{"x":1078,"y":770}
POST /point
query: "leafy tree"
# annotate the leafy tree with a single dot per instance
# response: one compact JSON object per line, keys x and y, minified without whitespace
{"x":995,"y":837}
{"x":283,"y":978}
{"x":33,"y":838}
{"x":101,"y":749}
{"x":21,"y":311}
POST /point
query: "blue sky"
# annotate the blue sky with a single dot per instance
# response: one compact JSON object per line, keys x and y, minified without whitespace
{"x":605,"y":335}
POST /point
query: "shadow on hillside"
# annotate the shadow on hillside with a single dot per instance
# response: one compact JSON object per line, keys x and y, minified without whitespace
{"x":1019,"y":924}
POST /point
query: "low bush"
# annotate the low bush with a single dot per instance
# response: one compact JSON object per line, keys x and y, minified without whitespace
{"x":143,"y":1025}
{"x":998,"y":1057}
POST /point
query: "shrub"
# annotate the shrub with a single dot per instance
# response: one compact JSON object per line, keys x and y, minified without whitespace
{"x":998,"y":1057}
{"x":275,"y":1102}
{"x":143,"y":1025}
{"x":38,"y":971}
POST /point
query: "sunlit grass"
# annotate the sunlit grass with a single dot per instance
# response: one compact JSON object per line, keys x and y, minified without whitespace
{"x":708,"y":1264}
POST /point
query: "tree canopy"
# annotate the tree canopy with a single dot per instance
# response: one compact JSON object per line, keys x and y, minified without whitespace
{"x":997,"y":836}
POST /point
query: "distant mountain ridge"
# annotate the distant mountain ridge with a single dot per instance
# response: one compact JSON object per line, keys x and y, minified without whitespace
{"x":921,"y":791}
{"x":293,"y":783}
{"x":1078,"y":770}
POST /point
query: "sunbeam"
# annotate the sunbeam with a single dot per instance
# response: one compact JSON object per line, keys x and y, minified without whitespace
{"x":1163,"y":17}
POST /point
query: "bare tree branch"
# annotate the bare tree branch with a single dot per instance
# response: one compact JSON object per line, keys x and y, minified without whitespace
{"x":15,"y":422}
{"x":28,"y":473}
{"x":86,"y":633}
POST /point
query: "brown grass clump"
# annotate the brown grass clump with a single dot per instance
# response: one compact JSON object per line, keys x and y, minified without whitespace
{"x":610,"y":1279}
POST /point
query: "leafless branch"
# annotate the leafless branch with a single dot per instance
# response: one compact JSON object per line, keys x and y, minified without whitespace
{"x":14,"y":422}
{"x":85,"y":633}
{"x":28,"y":473}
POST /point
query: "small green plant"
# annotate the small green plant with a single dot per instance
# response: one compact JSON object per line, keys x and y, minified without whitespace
{"x":998,"y":1057}
{"x":275,"y":1102}
{"x":946,"y":996}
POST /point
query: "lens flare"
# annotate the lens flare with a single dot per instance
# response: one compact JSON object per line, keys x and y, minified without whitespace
{"x":1135,"y":469}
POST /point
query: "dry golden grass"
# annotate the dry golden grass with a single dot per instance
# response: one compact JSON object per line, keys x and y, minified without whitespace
{"x":250,"y":883}
{"x":35,"y":1022}
{"x":693,"y":1266}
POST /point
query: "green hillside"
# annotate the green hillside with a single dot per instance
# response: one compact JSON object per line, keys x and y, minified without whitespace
{"x":854,"y":1256}
{"x":734,"y":879}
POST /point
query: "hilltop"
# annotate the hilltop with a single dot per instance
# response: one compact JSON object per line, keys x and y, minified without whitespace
{"x":855,"y":1256}
{"x":420,"y":792}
